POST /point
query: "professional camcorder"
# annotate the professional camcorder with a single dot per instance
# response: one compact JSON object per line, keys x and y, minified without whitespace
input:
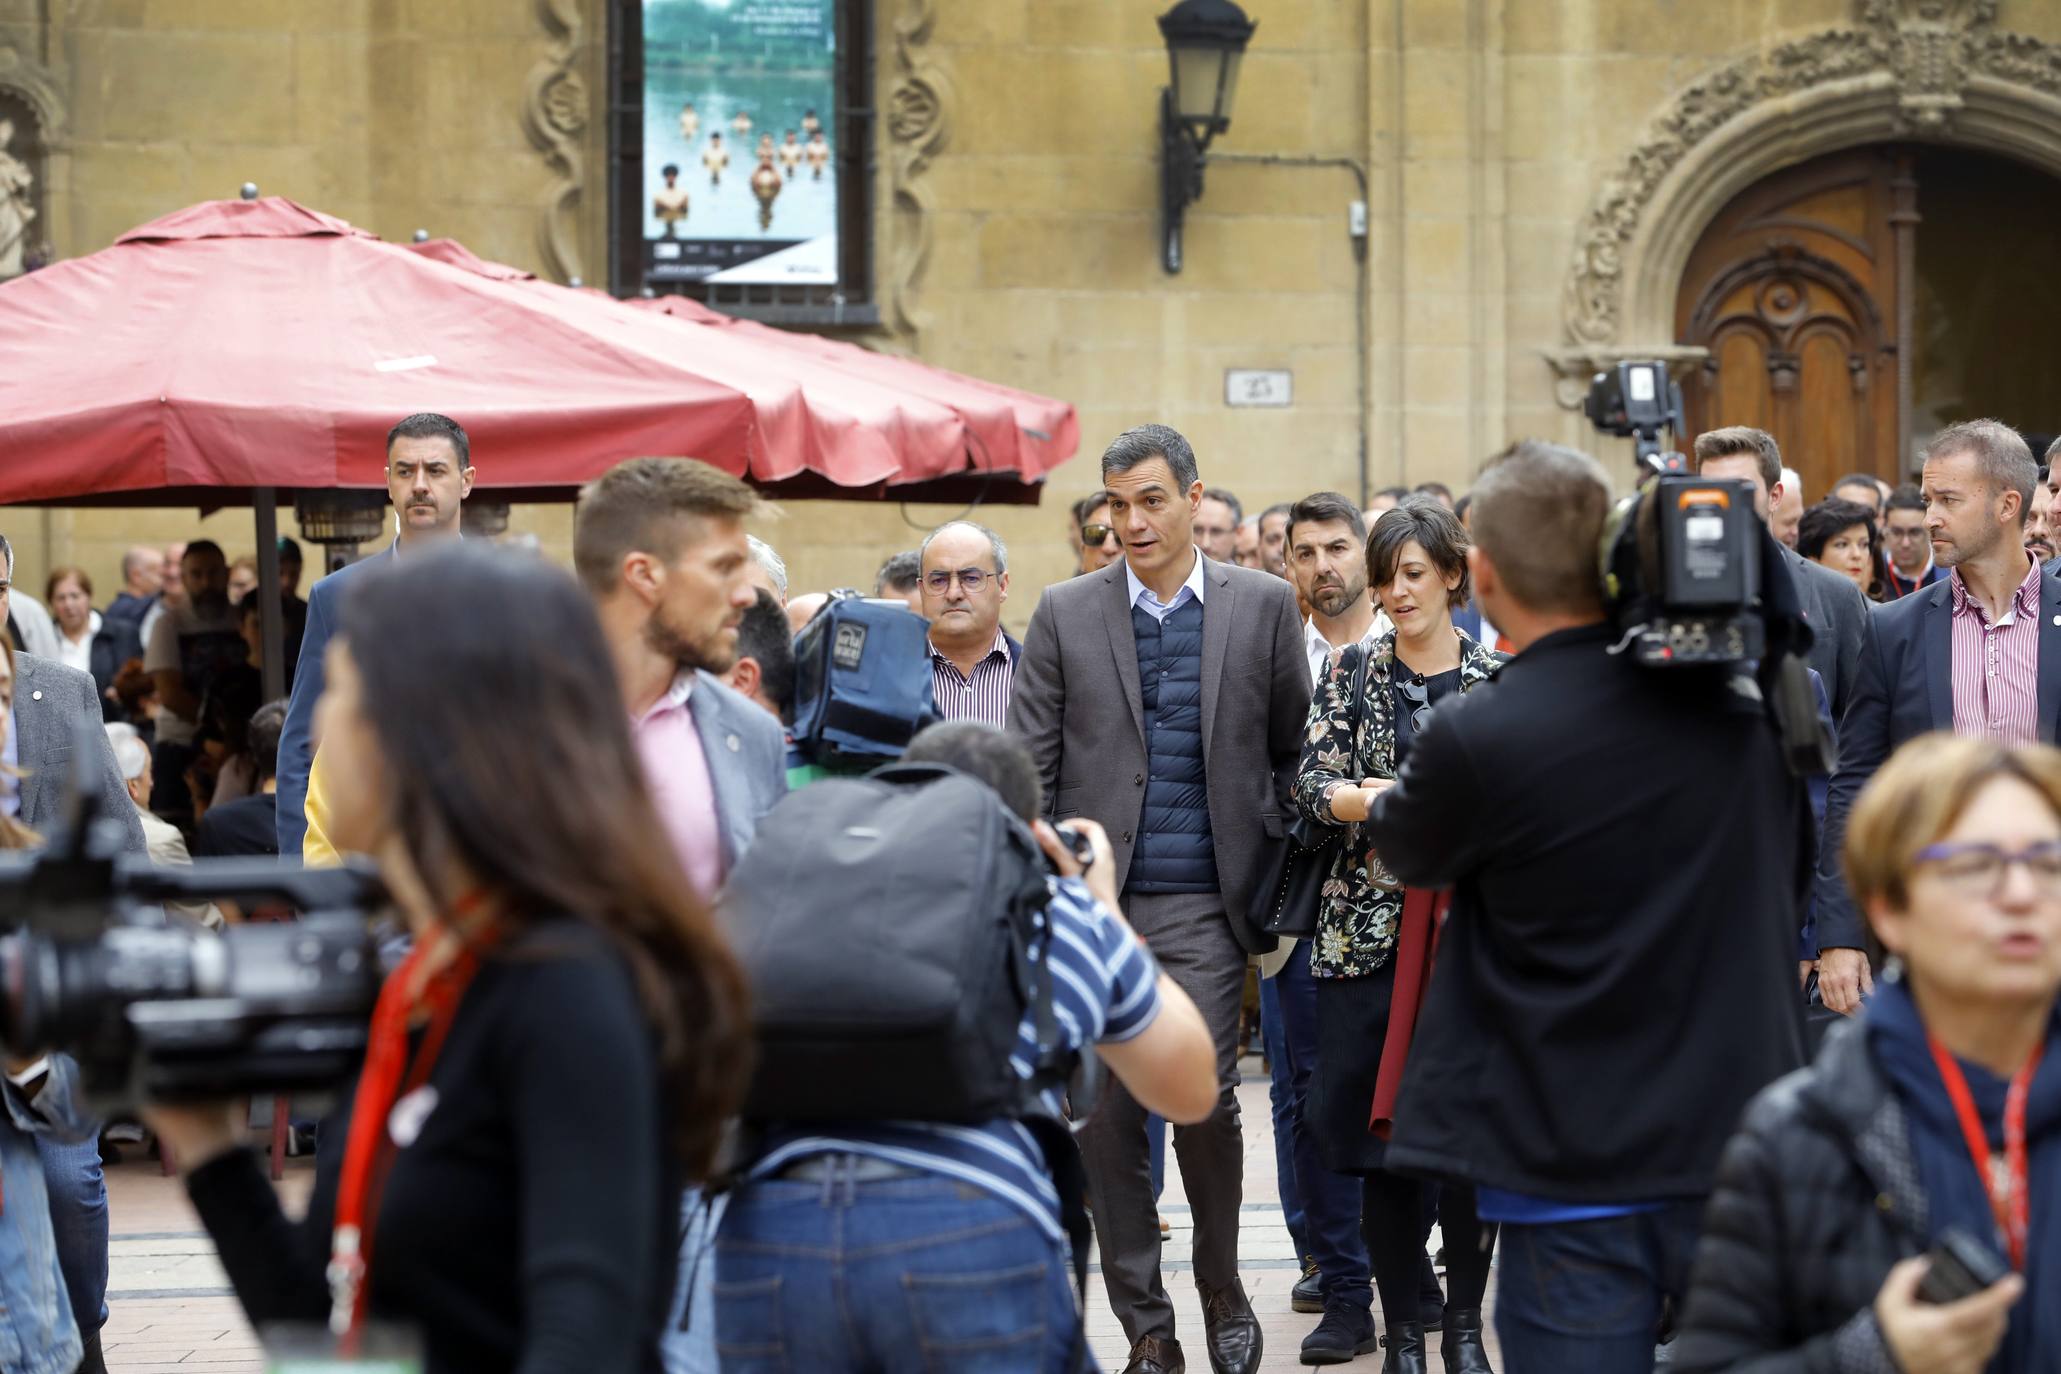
{"x":1691,"y":574}
{"x":161,"y":1009}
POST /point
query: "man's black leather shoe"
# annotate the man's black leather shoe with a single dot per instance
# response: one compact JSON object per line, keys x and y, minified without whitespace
{"x":1405,"y":1342}
{"x":1346,"y":1331}
{"x":1463,"y":1350}
{"x":1308,"y":1293}
{"x":1154,"y":1355}
{"x":1230,"y":1331}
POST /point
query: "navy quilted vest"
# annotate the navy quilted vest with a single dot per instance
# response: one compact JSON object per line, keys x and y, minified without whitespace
{"x":1174,"y":852}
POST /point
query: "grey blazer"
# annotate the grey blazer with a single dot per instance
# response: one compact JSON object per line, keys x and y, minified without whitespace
{"x":50,"y":702}
{"x":1078,"y":704}
{"x":747,"y":760}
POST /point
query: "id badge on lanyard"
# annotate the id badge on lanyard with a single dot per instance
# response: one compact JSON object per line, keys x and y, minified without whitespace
{"x":306,"y":1348}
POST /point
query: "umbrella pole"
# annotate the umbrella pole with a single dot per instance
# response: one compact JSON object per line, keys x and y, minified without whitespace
{"x":265,"y":505}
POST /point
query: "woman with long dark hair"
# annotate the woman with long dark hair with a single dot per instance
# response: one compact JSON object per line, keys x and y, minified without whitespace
{"x":1374,"y":940}
{"x":557,"y":1054}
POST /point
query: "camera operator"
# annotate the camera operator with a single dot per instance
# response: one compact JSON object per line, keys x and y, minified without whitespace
{"x":1616,"y":977}
{"x":909,"y":1221}
{"x":554,"y":1058}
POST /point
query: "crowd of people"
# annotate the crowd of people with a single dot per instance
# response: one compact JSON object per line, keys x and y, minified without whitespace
{"x":1545,"y":940}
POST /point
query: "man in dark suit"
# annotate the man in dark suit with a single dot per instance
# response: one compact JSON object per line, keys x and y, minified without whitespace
{"x":1165,"y":697}
{"x":1978,"y":653}
{"x":1833,"y":605}
{"x":1617,"y":976}
{"x":428,"y":476}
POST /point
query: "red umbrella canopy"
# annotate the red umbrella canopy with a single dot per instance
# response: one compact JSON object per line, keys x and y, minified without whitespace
{"x":1011,"y":430}
{"x":260,"y":343}
{"x":831,"y":408}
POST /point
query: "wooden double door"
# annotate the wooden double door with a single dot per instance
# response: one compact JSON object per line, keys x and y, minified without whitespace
{"x":1796,"y":289}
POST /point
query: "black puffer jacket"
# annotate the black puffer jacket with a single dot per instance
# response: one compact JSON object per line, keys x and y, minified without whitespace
{"x":1817,"y":1199}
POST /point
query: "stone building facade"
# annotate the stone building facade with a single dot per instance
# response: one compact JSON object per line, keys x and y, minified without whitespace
{"x":1538,"y":176}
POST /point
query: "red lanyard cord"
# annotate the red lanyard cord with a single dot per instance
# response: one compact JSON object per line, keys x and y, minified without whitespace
{"x":387,"y":1078}
{"x":2007,"y":1181}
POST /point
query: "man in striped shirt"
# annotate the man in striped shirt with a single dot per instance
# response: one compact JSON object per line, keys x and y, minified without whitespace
{"x":1978,"y":653}
{"x":880,"y":1239}
{"x":972,"y":660}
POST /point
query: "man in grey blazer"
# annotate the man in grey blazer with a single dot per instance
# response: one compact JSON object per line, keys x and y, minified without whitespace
{"x":1165,"y":697}
{"x":51,"y":702}
{"x":660,"y":545}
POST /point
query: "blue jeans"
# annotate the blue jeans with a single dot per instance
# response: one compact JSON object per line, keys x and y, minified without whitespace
{"x":894,"y":1276}
{"x":691,"y":1349}
{"x":78,"y":1221}
{"x":1584,"y":1297}
{"x":1330,"y":1203}
{"x":1281,"y":1097}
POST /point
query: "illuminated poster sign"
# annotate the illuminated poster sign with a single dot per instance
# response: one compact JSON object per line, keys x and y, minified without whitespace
{"x":740,"y":177}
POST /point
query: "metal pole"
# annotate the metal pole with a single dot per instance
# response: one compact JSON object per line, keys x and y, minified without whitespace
{"x":265,"y":503}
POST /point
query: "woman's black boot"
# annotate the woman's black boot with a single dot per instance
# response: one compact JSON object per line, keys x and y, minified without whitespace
{"x":1462,"y":1348}
{"x":1405,"y":1343}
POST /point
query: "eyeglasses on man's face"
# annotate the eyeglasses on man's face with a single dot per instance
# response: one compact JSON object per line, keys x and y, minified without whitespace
{"x":1980,"y":870}
{"x":972,"y":579}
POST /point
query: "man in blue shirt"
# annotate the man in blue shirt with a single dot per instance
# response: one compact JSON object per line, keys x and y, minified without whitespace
{"x":902,"y":1245}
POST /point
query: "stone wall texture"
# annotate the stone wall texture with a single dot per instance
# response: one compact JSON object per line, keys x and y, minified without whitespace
{"x":1489,"y":132}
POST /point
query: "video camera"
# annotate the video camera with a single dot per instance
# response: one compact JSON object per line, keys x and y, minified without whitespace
{"x":159,"y":1009}
{"x":1692,"y":575}
{"x":1681,"y":560}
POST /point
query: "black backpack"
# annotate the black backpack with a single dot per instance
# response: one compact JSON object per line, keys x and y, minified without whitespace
{"x":887,"y":925}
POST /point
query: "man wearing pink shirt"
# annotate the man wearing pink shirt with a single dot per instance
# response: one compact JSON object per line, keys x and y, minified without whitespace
{"x":660,"y":544}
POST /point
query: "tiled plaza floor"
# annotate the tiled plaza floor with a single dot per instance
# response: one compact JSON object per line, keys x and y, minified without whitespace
{"x":170,"y":1307}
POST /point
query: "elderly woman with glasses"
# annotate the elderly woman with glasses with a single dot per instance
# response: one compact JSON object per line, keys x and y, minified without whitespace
{"x":1373,"y":943}
{"x":1938,"y":1110}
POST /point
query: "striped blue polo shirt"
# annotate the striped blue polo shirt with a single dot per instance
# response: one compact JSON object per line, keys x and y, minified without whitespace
{"x":1105,"y":990}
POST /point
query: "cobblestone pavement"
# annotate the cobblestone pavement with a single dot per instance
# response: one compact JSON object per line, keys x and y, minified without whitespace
{"x":170,"y":1307}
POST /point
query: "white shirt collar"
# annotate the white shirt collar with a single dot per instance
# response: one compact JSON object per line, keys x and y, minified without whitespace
{"x":1139,"y":591}
{"x":1320,"y":649}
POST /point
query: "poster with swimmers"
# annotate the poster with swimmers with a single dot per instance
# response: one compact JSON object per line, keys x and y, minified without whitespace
{"x":740,"y":178}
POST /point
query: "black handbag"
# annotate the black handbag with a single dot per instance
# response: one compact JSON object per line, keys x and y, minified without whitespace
{"x":1302,"y":862}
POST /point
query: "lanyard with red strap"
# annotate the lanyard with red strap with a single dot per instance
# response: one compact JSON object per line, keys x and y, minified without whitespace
{"x":2010,"y":1188}
{"x":387,"y":1078}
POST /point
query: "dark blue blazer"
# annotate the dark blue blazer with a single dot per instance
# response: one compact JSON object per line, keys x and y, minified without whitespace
{"x":1905,"y":689}
{"x":296,"y":745}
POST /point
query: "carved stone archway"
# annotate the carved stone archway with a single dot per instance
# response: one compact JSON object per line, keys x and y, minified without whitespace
{"x":1939,"y":70}
{"x":38,"y":88}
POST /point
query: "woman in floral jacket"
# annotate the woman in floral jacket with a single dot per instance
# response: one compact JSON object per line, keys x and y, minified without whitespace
{"x":1367,"y":709}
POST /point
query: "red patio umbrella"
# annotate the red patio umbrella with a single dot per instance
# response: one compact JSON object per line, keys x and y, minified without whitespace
{"x":239,"y":344}
{"x":926,"y":422}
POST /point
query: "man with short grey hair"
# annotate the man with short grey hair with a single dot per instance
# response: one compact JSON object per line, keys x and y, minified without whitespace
{"x":1182,"y":744}
{"x":972,"y":659}
{"x":1978,"y":653}
{"x":769,"y":569}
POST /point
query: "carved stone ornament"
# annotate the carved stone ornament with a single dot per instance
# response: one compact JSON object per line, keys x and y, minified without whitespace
{"x":919,"y":107}
{"x":555,"y":115}
{"x":1926,"y":54}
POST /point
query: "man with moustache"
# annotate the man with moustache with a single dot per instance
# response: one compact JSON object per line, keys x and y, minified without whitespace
{"x":660,"y":545}
{"x":428,"y":476}
{"x":1164,"y":698}
{"x":2039,"y":522}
